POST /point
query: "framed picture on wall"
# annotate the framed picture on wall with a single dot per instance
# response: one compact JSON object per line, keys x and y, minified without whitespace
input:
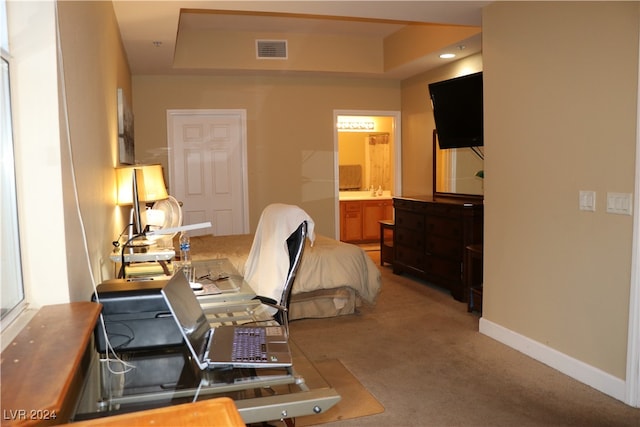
{"x":125,"y":130}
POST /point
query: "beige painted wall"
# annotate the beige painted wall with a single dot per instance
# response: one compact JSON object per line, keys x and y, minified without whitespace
{"x":414,"y":41}
{"x":290,"y":130}
{"x":560,"y":116}
{"x":235,"y":50}
{"x":94,"y":67}
{"x":418,"y":124}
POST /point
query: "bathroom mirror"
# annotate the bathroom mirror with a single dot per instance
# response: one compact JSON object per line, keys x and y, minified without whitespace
{"x":458,"y":172}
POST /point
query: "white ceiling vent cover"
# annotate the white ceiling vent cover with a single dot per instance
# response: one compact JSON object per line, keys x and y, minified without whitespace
{"x":271,"y":49}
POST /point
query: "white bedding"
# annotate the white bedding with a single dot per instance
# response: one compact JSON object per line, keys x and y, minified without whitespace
{"x":332,"y":264}
{"x":328,"y":264}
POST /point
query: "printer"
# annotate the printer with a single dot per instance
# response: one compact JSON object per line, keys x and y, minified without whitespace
{"x":136,"y":316}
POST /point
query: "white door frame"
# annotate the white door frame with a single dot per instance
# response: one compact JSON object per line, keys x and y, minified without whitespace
{"x":242,"y":115}
{"x":397,"y":154}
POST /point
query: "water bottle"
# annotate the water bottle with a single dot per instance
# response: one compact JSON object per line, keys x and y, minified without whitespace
{"x":185,"y":255}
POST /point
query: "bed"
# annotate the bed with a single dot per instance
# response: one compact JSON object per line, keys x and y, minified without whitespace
{"x":334,"y":277}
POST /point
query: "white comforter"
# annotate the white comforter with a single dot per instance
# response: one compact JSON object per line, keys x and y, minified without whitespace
{"x":332,"y":264}
{"x":327,"y":264}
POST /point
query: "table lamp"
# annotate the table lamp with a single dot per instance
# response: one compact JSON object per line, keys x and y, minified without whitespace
{"x":139,"y":184}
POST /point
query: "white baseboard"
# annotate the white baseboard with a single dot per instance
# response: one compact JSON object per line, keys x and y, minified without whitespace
{"x":576,"y":369}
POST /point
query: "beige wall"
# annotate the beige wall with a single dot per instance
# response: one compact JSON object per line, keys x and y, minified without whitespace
{"x":561,"y":81}
{"x":415,"y":41}
{"x":290,"y":130}
{"x":94,"y":67}
{"x":235,"y":50}
{"x":418,"y":124}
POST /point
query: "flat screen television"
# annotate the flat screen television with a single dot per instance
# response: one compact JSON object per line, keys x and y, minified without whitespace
{"x":457,"y":110}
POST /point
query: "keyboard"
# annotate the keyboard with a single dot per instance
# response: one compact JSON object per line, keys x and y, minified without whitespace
{"x":249,"y":345}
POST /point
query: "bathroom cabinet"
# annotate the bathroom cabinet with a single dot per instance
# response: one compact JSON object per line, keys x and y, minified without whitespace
{"x":359,"y":219}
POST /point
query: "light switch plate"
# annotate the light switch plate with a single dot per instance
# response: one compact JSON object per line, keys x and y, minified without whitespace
{"x":588,"y":201}
{"x":619,"y":203}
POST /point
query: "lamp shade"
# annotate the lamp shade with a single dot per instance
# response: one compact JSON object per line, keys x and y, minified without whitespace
{"x":150,"y":182}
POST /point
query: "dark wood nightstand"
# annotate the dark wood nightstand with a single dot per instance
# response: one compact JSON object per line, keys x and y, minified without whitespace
{"x":473,"y":276}
{"x":386,"y":241}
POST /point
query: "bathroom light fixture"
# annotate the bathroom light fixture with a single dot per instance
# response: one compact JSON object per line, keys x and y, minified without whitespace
{"x":355,"y":125}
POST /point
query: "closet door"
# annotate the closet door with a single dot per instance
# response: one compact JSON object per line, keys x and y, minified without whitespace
{"x":207,"y":168}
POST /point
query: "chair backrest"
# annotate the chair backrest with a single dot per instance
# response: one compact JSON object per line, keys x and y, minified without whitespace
{"x":295,"y":245}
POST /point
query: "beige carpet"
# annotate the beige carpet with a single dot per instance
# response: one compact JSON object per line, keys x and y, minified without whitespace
{"x":440,"y":372}
{"x":355,"y":400}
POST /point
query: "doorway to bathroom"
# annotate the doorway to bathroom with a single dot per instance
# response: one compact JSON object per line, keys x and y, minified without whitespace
{"x":367,"y":147}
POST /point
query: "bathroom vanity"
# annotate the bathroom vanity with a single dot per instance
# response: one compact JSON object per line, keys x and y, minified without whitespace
{"x":360,"y":213}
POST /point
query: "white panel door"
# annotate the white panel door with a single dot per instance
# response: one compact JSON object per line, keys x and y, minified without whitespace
{"x":207,"y":168}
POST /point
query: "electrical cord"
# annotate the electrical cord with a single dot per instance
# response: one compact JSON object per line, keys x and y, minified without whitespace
{"x":126,"y":245}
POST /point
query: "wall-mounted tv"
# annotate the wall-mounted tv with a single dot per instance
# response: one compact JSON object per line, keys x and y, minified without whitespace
{"x":457,"y":110}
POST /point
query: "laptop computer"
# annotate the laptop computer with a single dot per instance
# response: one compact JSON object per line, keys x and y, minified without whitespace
{"x":223,"y":346}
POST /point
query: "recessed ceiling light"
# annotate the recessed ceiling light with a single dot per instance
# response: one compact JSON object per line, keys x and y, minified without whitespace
{"x":447,"y":56}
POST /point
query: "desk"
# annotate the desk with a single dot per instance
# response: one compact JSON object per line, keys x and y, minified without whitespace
{"x":152,"y":255}
{"x":159,"y":256}
{"x":136,"y":316}
{"x":168,"y":376}
{"x":235,"y":304}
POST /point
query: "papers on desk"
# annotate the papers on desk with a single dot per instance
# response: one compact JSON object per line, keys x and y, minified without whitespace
{"x":208,"y":289}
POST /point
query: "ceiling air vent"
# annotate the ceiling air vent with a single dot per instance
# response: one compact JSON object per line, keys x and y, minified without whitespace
{"x":271,"y":49}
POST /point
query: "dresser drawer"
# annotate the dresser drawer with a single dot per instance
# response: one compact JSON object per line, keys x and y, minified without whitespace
{"x":410,"y":257}
{"x":449,"y":272}
{"x":409,"y":205}
{"x":445,"y":210}
{"x":448,"y":248}
{"x":409,"y":238}
{"x":443,"y":227}
{"x":411,"y":220}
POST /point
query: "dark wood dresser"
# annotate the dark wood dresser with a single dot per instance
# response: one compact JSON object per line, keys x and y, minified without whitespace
{"x":430,"y":238}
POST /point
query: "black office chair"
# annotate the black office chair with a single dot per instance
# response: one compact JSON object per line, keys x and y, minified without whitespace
{"x":295,"y":246}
